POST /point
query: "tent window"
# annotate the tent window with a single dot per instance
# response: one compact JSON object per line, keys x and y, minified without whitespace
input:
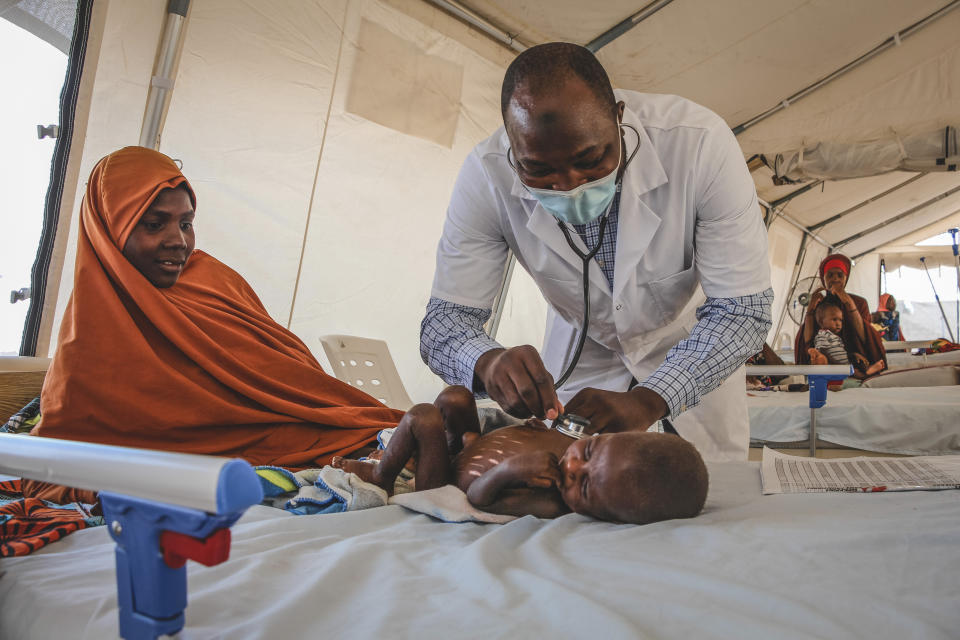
{"x":80,"y":20}
{"x":920,"y":317}
{"x":397,"y":85}
{"x":30,"y":34}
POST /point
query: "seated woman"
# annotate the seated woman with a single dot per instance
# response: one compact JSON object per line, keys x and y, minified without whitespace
{"x":857,"y":333}
{"x":164,"y":347}
{"x":888,"y":318}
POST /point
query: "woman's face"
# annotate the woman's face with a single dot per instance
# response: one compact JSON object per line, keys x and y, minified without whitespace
{"x":891,"y":304}
{"x":835,"y":277}
{"x":163,"y":239}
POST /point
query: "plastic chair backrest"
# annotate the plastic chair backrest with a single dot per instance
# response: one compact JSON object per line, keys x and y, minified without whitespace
{"x":366,"y":364}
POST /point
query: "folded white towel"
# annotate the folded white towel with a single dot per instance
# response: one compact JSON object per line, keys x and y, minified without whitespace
{"x":447,"y":503}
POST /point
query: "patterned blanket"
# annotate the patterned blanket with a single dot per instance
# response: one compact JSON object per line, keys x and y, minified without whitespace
{"x":27,"y":524}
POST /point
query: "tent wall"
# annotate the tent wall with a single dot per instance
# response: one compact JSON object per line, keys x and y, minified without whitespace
{"x":331,"y":216}
{"x":783,"y":240}
{"x":302,"y":129}
{"x":119,"y":62}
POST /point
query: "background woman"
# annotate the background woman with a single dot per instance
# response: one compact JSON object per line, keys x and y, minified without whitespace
{"x":858,"y":334}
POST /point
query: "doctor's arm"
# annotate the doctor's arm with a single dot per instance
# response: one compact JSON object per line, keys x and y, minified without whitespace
{"x":728,"y":331}
{"x":730,"y":253}
{"x":471,"y":257}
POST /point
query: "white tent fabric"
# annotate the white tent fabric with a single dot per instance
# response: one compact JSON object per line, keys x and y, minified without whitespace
{"x":332,"y":218}
{"x":323,"y":139}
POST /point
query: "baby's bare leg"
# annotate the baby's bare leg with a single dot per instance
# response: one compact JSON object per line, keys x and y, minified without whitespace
{"x":459,"y":411}
{"x":420,"y":432}
{"x":876,"y":367}
{"x":816,"y":357}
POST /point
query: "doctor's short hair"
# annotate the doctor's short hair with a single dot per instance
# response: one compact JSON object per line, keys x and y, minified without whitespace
{"x":548,"y":65}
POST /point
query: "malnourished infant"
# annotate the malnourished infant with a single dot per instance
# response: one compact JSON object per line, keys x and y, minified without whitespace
{"x":632,"y":476}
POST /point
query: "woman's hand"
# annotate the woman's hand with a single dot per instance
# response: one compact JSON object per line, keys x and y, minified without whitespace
{"x":845,"y":298}
{"x":815,"y":299}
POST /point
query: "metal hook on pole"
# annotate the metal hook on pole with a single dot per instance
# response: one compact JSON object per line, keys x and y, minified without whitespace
{"x":923,"y":261}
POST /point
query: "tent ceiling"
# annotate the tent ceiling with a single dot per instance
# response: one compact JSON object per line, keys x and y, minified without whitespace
{"x":742,"y":57}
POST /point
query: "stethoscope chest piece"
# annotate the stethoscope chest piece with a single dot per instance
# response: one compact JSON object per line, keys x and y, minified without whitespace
{"x":572,"y":425}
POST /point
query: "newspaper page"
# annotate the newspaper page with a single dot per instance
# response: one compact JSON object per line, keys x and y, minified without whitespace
{"x":783,"y":473}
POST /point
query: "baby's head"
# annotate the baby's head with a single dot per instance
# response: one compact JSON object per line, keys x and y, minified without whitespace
{"x":830,"y":314}
{"x":163,"y":239}
{"x":635,"y":476}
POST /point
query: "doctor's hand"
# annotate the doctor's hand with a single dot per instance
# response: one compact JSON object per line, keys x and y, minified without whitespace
{"x":611,"y":411}
{"x":517,"y":379}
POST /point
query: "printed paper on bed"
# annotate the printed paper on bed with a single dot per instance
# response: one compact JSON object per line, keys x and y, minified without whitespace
{"x":782,"y":473}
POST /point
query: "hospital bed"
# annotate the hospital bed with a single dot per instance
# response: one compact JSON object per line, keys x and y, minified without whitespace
{"x":751,"y":566}
{"x":824,"y":565}
{"x":901,"y":420}
{"x":907,"y":360}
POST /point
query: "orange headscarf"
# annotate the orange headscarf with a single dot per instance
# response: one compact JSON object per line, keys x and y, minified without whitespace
{"x":199,"y":367}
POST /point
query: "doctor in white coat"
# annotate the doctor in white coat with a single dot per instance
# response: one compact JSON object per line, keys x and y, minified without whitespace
{"x":679,"y":284}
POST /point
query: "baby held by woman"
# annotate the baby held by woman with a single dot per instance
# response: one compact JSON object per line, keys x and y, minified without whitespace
{"x":829,"y":347}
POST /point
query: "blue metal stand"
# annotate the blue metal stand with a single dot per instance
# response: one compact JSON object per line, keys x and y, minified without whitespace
{"x":818,"y":398}
{"x":154,"y":540}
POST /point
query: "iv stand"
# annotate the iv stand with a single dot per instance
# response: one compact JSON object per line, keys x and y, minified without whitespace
{"x":923,"y":261}
{"x":956,"y":259}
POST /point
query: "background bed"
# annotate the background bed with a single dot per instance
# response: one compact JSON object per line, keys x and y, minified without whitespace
{"x":910,"y":420}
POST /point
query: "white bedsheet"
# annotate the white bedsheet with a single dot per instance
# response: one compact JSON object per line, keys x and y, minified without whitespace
{"x":786,"y":566}
{"x":910,"y":420}
{"x":903,"y":360}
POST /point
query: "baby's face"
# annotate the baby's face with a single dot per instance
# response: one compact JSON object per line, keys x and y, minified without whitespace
{"x":831,"y":319}
{"x":593,"y":470}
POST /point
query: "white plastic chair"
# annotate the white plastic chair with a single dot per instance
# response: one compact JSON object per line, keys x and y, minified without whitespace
{"x":366,"y":364}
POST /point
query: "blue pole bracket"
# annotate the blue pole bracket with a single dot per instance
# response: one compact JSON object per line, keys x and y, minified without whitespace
{"x":154,"y":541}
{"x":818,"y":386}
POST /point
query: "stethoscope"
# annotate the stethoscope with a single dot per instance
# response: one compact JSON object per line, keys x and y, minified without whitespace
{"x":570,"y":424}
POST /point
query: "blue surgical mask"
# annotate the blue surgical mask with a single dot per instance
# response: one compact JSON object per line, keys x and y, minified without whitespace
{"x":582,"y":204}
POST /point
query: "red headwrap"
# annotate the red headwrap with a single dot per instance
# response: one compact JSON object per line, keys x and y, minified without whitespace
{"x":835,"y":261}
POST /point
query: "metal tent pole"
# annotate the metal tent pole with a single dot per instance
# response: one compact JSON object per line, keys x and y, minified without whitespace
{"x":455,"y":8}
{"x":923,"y":261}
{"x":890,"y":42}
{"x":899,"y":216}
{"x":869,"y":200}
{"x":622,"y":27}
{"x":956,"y":260}
{"x":794,"y":278}
{"x":162,"y":81}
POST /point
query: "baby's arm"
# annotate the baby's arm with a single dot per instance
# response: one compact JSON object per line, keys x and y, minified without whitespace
{"x":520,"y":485}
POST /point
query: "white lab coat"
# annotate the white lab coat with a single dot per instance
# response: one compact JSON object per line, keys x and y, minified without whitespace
{"x":689,"y":224}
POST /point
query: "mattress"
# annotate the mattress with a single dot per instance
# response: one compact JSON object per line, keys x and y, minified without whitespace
{"x":909,"y":361}
{"x":879,"y":565}
{"x":910,"y":420}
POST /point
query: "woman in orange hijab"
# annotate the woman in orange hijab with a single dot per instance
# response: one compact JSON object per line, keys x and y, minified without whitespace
{"x":858,"y":334}
{"x":164,"y":347}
